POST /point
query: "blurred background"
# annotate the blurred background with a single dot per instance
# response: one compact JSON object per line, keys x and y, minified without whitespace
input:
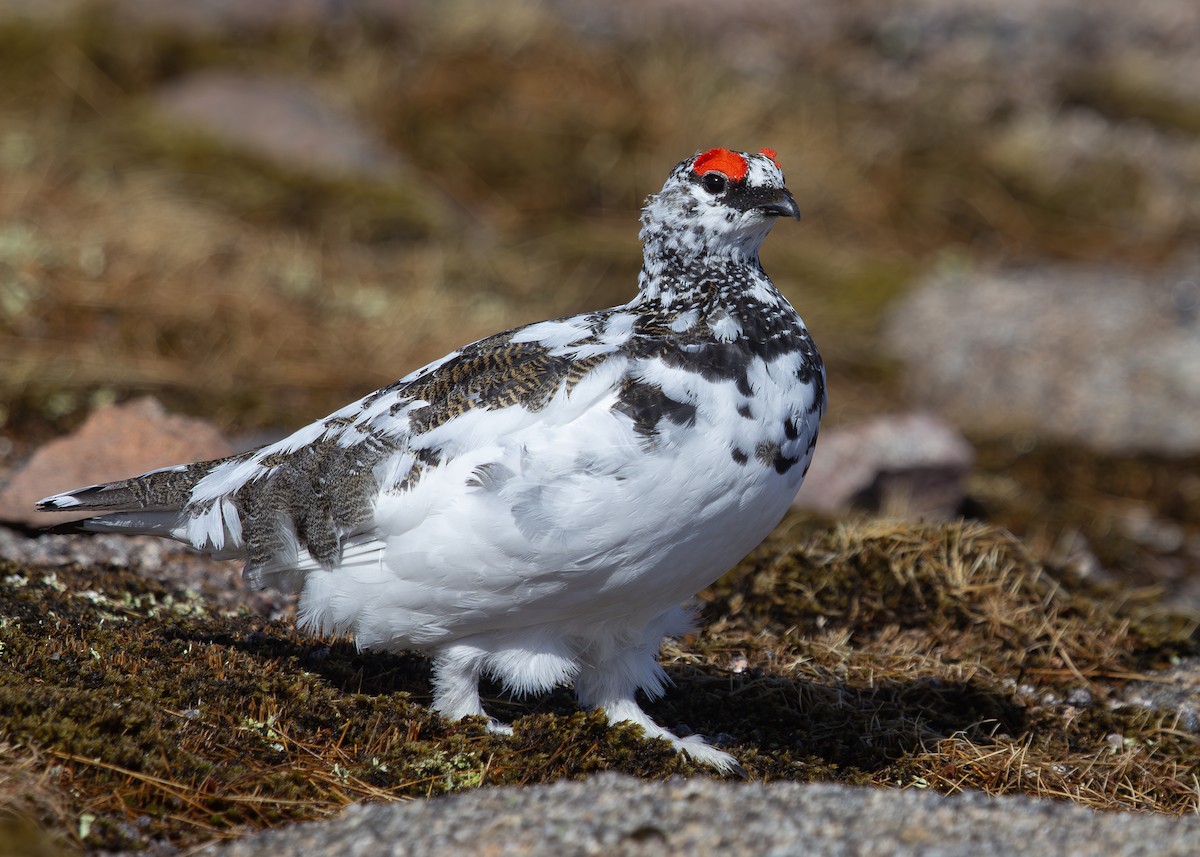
{"x":259,"y":211}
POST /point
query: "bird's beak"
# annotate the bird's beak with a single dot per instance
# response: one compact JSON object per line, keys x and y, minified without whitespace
{"x":781,"y":205}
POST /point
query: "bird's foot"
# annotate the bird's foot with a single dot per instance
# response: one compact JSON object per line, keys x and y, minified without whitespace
{"x":703,"y":753}
{"x":497,"y":728}
{"x":694,"y":747}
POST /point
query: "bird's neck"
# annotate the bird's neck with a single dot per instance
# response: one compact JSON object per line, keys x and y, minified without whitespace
{"x":672,"y":279}
{"x":700,"y":267}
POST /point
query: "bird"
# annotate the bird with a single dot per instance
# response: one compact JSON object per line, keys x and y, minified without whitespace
{"x":541,"y":506}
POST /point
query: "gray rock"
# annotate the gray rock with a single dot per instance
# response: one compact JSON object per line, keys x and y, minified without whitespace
{"x":140,"y":553}
{"x":981,"y":55}
{"x":1129,"y":176}
{"x":211,"y":585}
{"x":1176,"y":690}
{"x":280,"y":120}
{"x":902,"y":464}
{"x":612,"y":814}
{"x":207,"y":18}
{"x":1096,"y":356}
{"x":41,"y":11}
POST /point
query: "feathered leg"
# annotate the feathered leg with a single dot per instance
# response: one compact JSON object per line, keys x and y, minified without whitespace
{"x":611,"y":674}
{"x":456,"y":672}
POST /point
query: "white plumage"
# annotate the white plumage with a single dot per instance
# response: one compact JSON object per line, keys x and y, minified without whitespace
{"x":538,"y":505}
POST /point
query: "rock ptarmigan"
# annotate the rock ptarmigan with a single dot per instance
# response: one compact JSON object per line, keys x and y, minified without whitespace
{"x":538,"y":505}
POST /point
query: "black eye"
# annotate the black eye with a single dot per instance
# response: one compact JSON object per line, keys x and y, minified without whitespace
{"x":713,"y":182}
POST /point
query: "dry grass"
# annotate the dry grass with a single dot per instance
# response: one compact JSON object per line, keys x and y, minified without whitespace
{"x":937,"y":657}
{"x":1114,"y":777}
{"x":36,"y":814}
{"x":136,"y":259}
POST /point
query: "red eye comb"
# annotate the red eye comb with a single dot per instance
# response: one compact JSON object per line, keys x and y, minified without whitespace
{"x":731,"y":164}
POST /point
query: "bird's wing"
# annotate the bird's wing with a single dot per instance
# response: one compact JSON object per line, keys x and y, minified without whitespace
{"x":297,"y":502}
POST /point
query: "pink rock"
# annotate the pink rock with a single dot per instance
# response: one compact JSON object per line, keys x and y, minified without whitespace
{"x":115,"y":442}
{"x":904,"y":464}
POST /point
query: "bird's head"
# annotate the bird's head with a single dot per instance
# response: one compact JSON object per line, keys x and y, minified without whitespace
{"x":717,"y":203}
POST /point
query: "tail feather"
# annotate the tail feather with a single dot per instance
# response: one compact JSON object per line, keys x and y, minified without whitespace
{"x":150,"y":523}
{"x":161,"y":503}
{"x":165,"y":490}
{"x":108,"y":495}
{"x":269,"y":506}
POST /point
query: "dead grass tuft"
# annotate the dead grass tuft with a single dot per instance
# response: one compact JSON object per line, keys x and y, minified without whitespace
{"x":1118,"y":776}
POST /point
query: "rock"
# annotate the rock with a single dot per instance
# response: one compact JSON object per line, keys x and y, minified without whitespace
{"x":1130,"y":177}
{"x":114,"y":442}
{"x":280,"y":120}
{"x":1176,"y":690}
{"x":1019,"y":52}
{"x":618,"y":815}
{"x":1100,"y":357}
{"x":905,"y":464}
{"x":140,"y":553}
{"x":225,"y":18}
{"x":40,"y":11}
{"x":217,"y":584}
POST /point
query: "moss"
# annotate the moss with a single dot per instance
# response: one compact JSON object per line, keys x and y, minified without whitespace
{"x":870,"y":652}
